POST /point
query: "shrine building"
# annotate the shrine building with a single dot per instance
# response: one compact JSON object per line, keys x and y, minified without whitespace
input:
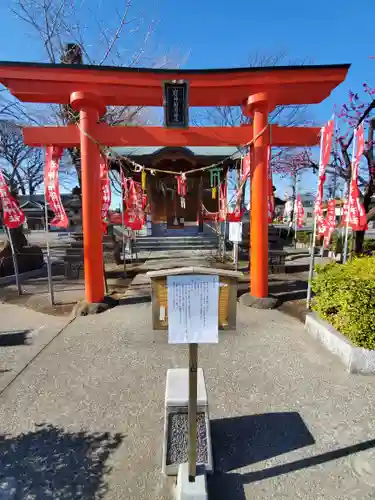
{"x":168,"y":217}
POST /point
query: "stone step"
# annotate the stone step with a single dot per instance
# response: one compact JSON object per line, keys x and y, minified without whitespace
{"x":176,"y":238}
{"x":167,"y":241}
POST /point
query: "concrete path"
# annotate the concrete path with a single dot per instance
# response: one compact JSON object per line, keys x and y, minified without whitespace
{"x":23,"y":334}
{"x":84,"y":420}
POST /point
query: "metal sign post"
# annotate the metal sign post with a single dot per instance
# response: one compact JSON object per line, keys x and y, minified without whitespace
{"x":187,"y":294}
{"x":185,"y":301}
{"x":235,"y":255}
{"x":313,"y":239}
{"x":15,"y":262}
{"x":49,"y":266}
{"x":192,"y":410}
{"x":311,"y":266}
{"x":123,"y":234}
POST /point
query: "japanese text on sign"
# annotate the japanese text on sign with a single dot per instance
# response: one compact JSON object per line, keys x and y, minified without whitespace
{"x":193,"y":309}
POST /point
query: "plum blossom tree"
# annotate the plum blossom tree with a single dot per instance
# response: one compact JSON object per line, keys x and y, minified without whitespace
{"x":358,"y":109}
{"x":351,"y":114}
{"x":291,"y":164}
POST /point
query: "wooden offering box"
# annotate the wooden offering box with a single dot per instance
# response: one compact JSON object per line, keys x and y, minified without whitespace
{"x":228,"y":281}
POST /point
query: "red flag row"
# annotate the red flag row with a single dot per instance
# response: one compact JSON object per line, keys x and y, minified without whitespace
{"x":300,"y":211}
{"x":51,"y":186}
{"x":13,"y":216}
{"x":325,"y":152}
{"x":52,"y":189}
{"x":354,"y":212}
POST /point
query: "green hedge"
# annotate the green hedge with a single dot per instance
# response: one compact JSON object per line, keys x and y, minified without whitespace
{"x":345,"y":296}
{"x":303,"y":237}
{"x":369,"y":245}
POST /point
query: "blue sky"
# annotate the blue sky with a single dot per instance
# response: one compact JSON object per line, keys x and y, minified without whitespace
{"x":218,"y":33}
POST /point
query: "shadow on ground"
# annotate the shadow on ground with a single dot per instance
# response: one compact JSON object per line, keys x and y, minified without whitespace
{"x":242,"y":441}
{"x":284,"y":289}
{"x":51,"y":463}
{"x":288,"y":290}
{"x":14,"y":338}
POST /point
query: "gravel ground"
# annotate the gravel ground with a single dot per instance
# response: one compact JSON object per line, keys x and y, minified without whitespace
{"x":177,"y":444}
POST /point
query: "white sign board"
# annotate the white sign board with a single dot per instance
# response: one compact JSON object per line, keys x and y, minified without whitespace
{"x":235,"y":232}
{"x":193,"y":309}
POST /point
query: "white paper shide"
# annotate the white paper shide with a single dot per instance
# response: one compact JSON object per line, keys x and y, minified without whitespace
{"x":193,"y":309}
{"x":235,"y":232}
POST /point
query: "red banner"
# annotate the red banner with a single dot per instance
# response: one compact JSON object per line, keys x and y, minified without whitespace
{"x":359,"y":149}
{"x":105,"y":188}
{"x":245,"y":167}
{"x":325,"y":153}
{"x":115,"y":218}
{"x":51,"y":186}
{"x":236,"y":215}
{"x":13,"y":216}
{"x":134,"y":215}
{"x":329,"y":222}
{"x":271,"y":198}
{"x":300,"y":211}
{"x":357,"y":214}
{"x":327,"y":132}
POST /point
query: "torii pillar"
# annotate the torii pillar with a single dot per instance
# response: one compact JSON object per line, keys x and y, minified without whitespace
{"x":259,"y":105}
{"x":90,"y":109}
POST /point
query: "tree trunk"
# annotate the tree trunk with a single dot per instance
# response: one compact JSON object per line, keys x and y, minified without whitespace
{"x":294,"y":197}
{"x":360,"y":235}
{"x":72,"y":55}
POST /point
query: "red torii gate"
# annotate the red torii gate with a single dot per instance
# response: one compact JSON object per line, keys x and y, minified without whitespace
{"x":89,"y":89}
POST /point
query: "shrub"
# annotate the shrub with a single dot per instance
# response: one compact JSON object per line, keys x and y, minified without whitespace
{"x":369,"y":245}
{"x":345,"y":296}
{"x":303,"y":237}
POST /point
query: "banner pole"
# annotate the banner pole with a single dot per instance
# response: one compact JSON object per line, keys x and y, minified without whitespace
{"x":49,"y":266}
{"x":15,"y":262}
{"x":192,"y":411}
{"x":313,"y":239}
{"x":123,"y":221}
{"x":311,"y":267}
{"x":105,"y":278}
{"x":135,"y":246}
{"x":296,"y":215}
{"x":345,"y":257}
{"x":236,"y":255}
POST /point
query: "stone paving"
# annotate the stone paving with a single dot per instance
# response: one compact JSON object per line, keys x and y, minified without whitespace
{"x":84,"y":420}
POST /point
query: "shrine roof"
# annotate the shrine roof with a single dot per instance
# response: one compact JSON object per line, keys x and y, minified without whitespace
{"x":217,"y":152}
{"x":123,"y":86}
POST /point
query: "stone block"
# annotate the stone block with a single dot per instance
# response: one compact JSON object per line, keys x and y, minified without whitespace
{"x":186,"y":490}
{"x":177,"y":388}
{"x":175,"y":445}
{"x":356,"y":359}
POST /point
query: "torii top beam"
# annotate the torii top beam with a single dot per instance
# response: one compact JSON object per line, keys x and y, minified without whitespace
{"x":54,"y":83}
